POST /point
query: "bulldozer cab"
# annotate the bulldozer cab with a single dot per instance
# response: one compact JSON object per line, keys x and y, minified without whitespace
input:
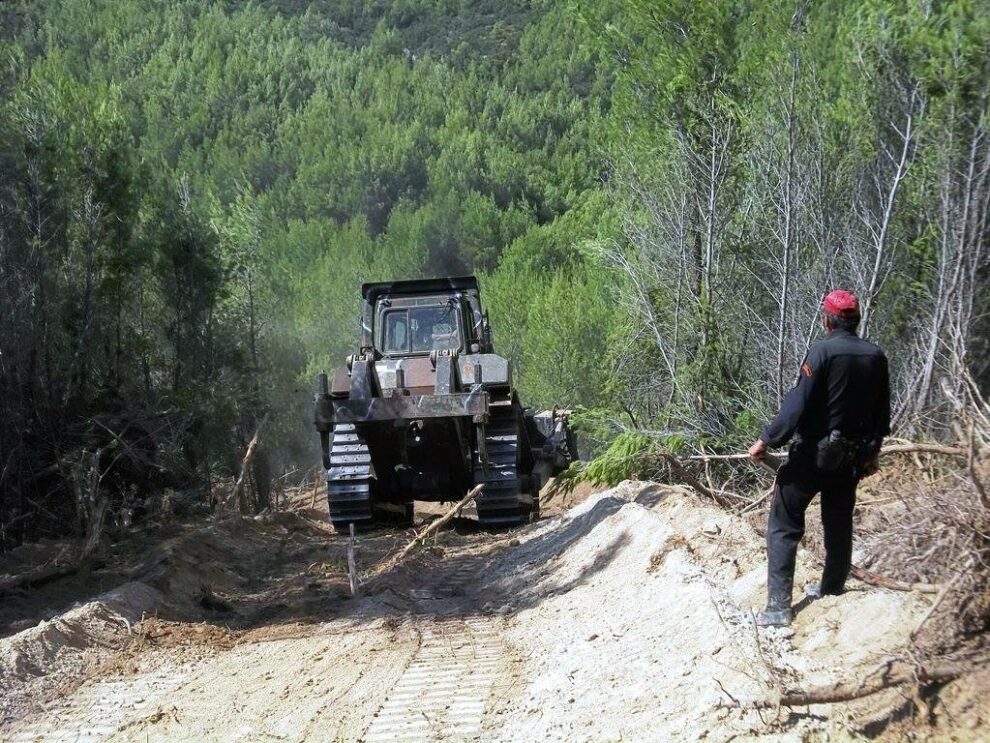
{"x":410,"y":326}
{"x":416,"y":318}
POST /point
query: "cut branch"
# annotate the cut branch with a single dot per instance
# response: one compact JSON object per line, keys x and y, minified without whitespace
{"x":433,"y":528}
{"x":882,"y":581}
{"x":907,"y":448}
{"x":847,"y":691}
{"x":910,"y":448}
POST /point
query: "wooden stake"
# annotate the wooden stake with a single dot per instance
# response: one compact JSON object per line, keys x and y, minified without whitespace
{"x":352,"y":563}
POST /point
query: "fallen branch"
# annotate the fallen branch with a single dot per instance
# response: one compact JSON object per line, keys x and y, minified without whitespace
{"x":48,"y":573}
{"x":70,"y":561}
{"x":677,"y":469}
{"x":754,"y":504}
{"x":882,"y":581}
{"x":906,"y":448}
{"x":847,"y":691}
{"x":715,"y":457}
{"x":909,"y":448}
{"x":434,"y":527}
{"x":771,"y":461}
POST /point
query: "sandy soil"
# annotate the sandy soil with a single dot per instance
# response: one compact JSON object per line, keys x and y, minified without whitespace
{"x":626,"y":617}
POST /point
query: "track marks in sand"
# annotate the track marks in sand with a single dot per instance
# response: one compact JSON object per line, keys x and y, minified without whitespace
{"x":459,"y":668}
{"x":319,"y":686}
{"x":443,"y":693}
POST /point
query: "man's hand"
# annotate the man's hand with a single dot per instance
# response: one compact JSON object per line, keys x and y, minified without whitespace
{"x":871,"y":467}
{"x":758,"y":451}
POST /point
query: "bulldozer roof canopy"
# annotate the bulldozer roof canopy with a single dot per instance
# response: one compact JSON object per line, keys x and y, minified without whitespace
{"x":372,"y":292}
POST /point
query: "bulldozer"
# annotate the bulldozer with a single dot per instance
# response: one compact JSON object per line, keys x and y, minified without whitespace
{"x":426,"y":410}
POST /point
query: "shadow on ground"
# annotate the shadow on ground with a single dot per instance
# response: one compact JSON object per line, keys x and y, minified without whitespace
{"x":283,"y":574}
{"x":251,"y":575}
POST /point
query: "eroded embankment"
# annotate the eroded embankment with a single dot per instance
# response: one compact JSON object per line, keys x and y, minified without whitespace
{"x":626,"y":618}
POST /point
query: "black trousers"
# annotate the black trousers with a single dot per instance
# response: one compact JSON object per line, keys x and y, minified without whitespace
{"x":798,"y":481}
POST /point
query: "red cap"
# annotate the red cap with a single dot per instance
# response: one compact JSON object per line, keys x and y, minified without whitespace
{"x":841,"y":303}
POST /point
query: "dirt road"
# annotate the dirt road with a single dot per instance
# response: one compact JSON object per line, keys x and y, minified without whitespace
{"x":626,"y":618}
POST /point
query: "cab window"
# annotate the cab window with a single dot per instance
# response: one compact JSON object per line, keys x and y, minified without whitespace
{"x":421,"y":329}
{"x":397,"y":332}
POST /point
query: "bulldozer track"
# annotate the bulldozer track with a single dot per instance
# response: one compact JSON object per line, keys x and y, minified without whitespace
{"x":349,"y":478}
{"x":500,"y":504}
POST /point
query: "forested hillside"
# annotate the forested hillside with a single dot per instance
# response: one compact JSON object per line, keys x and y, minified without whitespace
{"x":656,"y":199}
{"x":193,"y":193}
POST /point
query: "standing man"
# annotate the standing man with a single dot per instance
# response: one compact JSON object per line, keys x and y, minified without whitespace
{"x":838,"y":413}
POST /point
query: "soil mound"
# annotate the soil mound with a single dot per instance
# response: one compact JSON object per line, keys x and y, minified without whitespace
{"x":644,"y":627}
{"x":187,"y":578}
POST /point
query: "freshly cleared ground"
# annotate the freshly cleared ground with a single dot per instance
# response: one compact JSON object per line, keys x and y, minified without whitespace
{"x":627,"y":617}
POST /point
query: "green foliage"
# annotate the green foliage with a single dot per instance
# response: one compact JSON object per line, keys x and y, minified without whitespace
{"x":630,"y":455}
{"x":553,"y":309}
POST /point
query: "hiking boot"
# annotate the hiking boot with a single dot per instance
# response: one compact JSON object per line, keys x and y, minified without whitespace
{"x":814,"y":591}
{"x":775,"y":617}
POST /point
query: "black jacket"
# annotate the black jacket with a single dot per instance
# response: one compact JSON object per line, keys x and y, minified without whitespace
{"x":843,"y":384}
